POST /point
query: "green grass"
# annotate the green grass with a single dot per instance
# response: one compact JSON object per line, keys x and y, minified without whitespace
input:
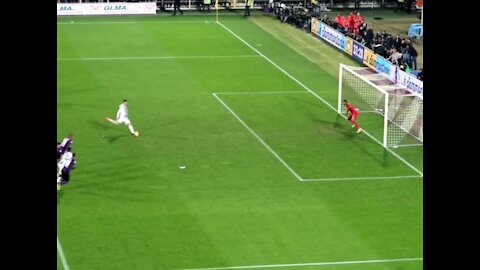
{"x":129,"y":206}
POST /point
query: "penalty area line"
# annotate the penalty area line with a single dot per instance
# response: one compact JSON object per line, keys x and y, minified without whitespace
{"x":308,"y":264}
{"x":62,"y":255}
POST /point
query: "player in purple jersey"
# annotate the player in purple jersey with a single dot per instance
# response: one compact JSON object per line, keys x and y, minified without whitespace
{"x":59,"y":149}
{"x":65,"y":173}
{"x":64,"y":162}
{"x":66,"y":143}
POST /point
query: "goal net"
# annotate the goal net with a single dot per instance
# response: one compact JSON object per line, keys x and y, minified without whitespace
{"x":391,"y":113}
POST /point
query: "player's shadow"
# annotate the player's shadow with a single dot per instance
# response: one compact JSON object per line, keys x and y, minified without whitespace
{"x":386,"y":158}
{"x":365,"y":147}
{"x":308,"y":107}
{"x":113,"y":139}
{"x":338,"y":123}
{"x":106,"y":126}
{"x":96,"y":124}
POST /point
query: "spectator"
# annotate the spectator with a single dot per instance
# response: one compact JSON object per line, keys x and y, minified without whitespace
{"x":362,"y":29}
{"x":405,"y":67}
{"x":400,"y":5}
{"x":207,"y":3}
{"x":403,"y":46}
{"x":420,"y":75}
{"x":398,"y":42}
{"x":357,"y":4}
{"x":406,"y":57}
{"x":395,"y":57}
{"x":351,"y":21}
{"x":369,"y":36}
{"x":358,"y":18}
{"x":176,"y":6}
{"x":413,"y":55}
{"x":409,"y":6}
{"x":340,"y":20}
{"x":248,"y":5}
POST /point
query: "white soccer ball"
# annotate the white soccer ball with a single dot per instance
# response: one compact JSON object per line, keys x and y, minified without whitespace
{"x":136,"y":134}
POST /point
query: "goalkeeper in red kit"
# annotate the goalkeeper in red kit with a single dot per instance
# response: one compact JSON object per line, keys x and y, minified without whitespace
{"x":352,"y":115}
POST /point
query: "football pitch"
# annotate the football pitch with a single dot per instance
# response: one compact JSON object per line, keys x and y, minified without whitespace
{"x":273,"y":177}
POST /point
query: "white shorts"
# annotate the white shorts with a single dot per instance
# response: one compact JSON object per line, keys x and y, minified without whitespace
{"x":124,"y":120}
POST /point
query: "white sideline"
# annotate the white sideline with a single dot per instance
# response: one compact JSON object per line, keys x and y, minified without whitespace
{"x":62,"y":255}
{"x":257,"y":137}
{"x":316,"y":95}
{"x":158,"y":57}
{"x":308,"y":264}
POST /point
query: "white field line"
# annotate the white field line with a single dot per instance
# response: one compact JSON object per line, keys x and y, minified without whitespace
{"x":131,"y":22}
{"x":301,"y":179}
{"x":258,"y":137}
{"x":316,"y":95}
{"x":158,"y":57}
{"x":62,"y":255}
{"x":361,"y":178}
{"x":259,"y":93}
{"x":308,"y":264}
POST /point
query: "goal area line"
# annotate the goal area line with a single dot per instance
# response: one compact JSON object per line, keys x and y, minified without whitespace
{"x":216,"y":95}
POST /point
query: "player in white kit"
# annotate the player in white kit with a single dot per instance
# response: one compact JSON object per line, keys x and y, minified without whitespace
{"x":64,"y":162}
{"x":122,"y":118}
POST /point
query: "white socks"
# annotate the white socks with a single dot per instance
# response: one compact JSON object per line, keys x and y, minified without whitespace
{"x":130,"y":127}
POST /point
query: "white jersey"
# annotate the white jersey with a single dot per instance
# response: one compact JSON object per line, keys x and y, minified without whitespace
{"x":122,"y":111}
{"x":65,"y":160}
{"x":64,"y":142}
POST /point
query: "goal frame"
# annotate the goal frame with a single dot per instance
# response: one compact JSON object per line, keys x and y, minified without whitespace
{"x":386,"y":110}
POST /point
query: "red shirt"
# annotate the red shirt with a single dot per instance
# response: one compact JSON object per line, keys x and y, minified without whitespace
{"x":339,"y":19}
{"x":351,"y":21}
{"x":359,"y":19}
{"x":351,"y":108}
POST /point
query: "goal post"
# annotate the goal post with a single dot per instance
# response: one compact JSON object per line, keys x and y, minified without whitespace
{"x":391,"y":113}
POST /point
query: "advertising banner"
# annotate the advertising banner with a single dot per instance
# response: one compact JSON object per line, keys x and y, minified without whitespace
{"x":358,"y":51}
{"x":333,"y":37}
{"x":409,"y":81}
{"x":106,"y":8}
{"x":315,"y":27}
{"x":384,"y":66}
{"x":369,"y":58}
{"x":349,"y":46}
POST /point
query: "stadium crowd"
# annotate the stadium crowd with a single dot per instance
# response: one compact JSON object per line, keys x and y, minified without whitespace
{"x":293,"y":14}
{"x":398,"y":50}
